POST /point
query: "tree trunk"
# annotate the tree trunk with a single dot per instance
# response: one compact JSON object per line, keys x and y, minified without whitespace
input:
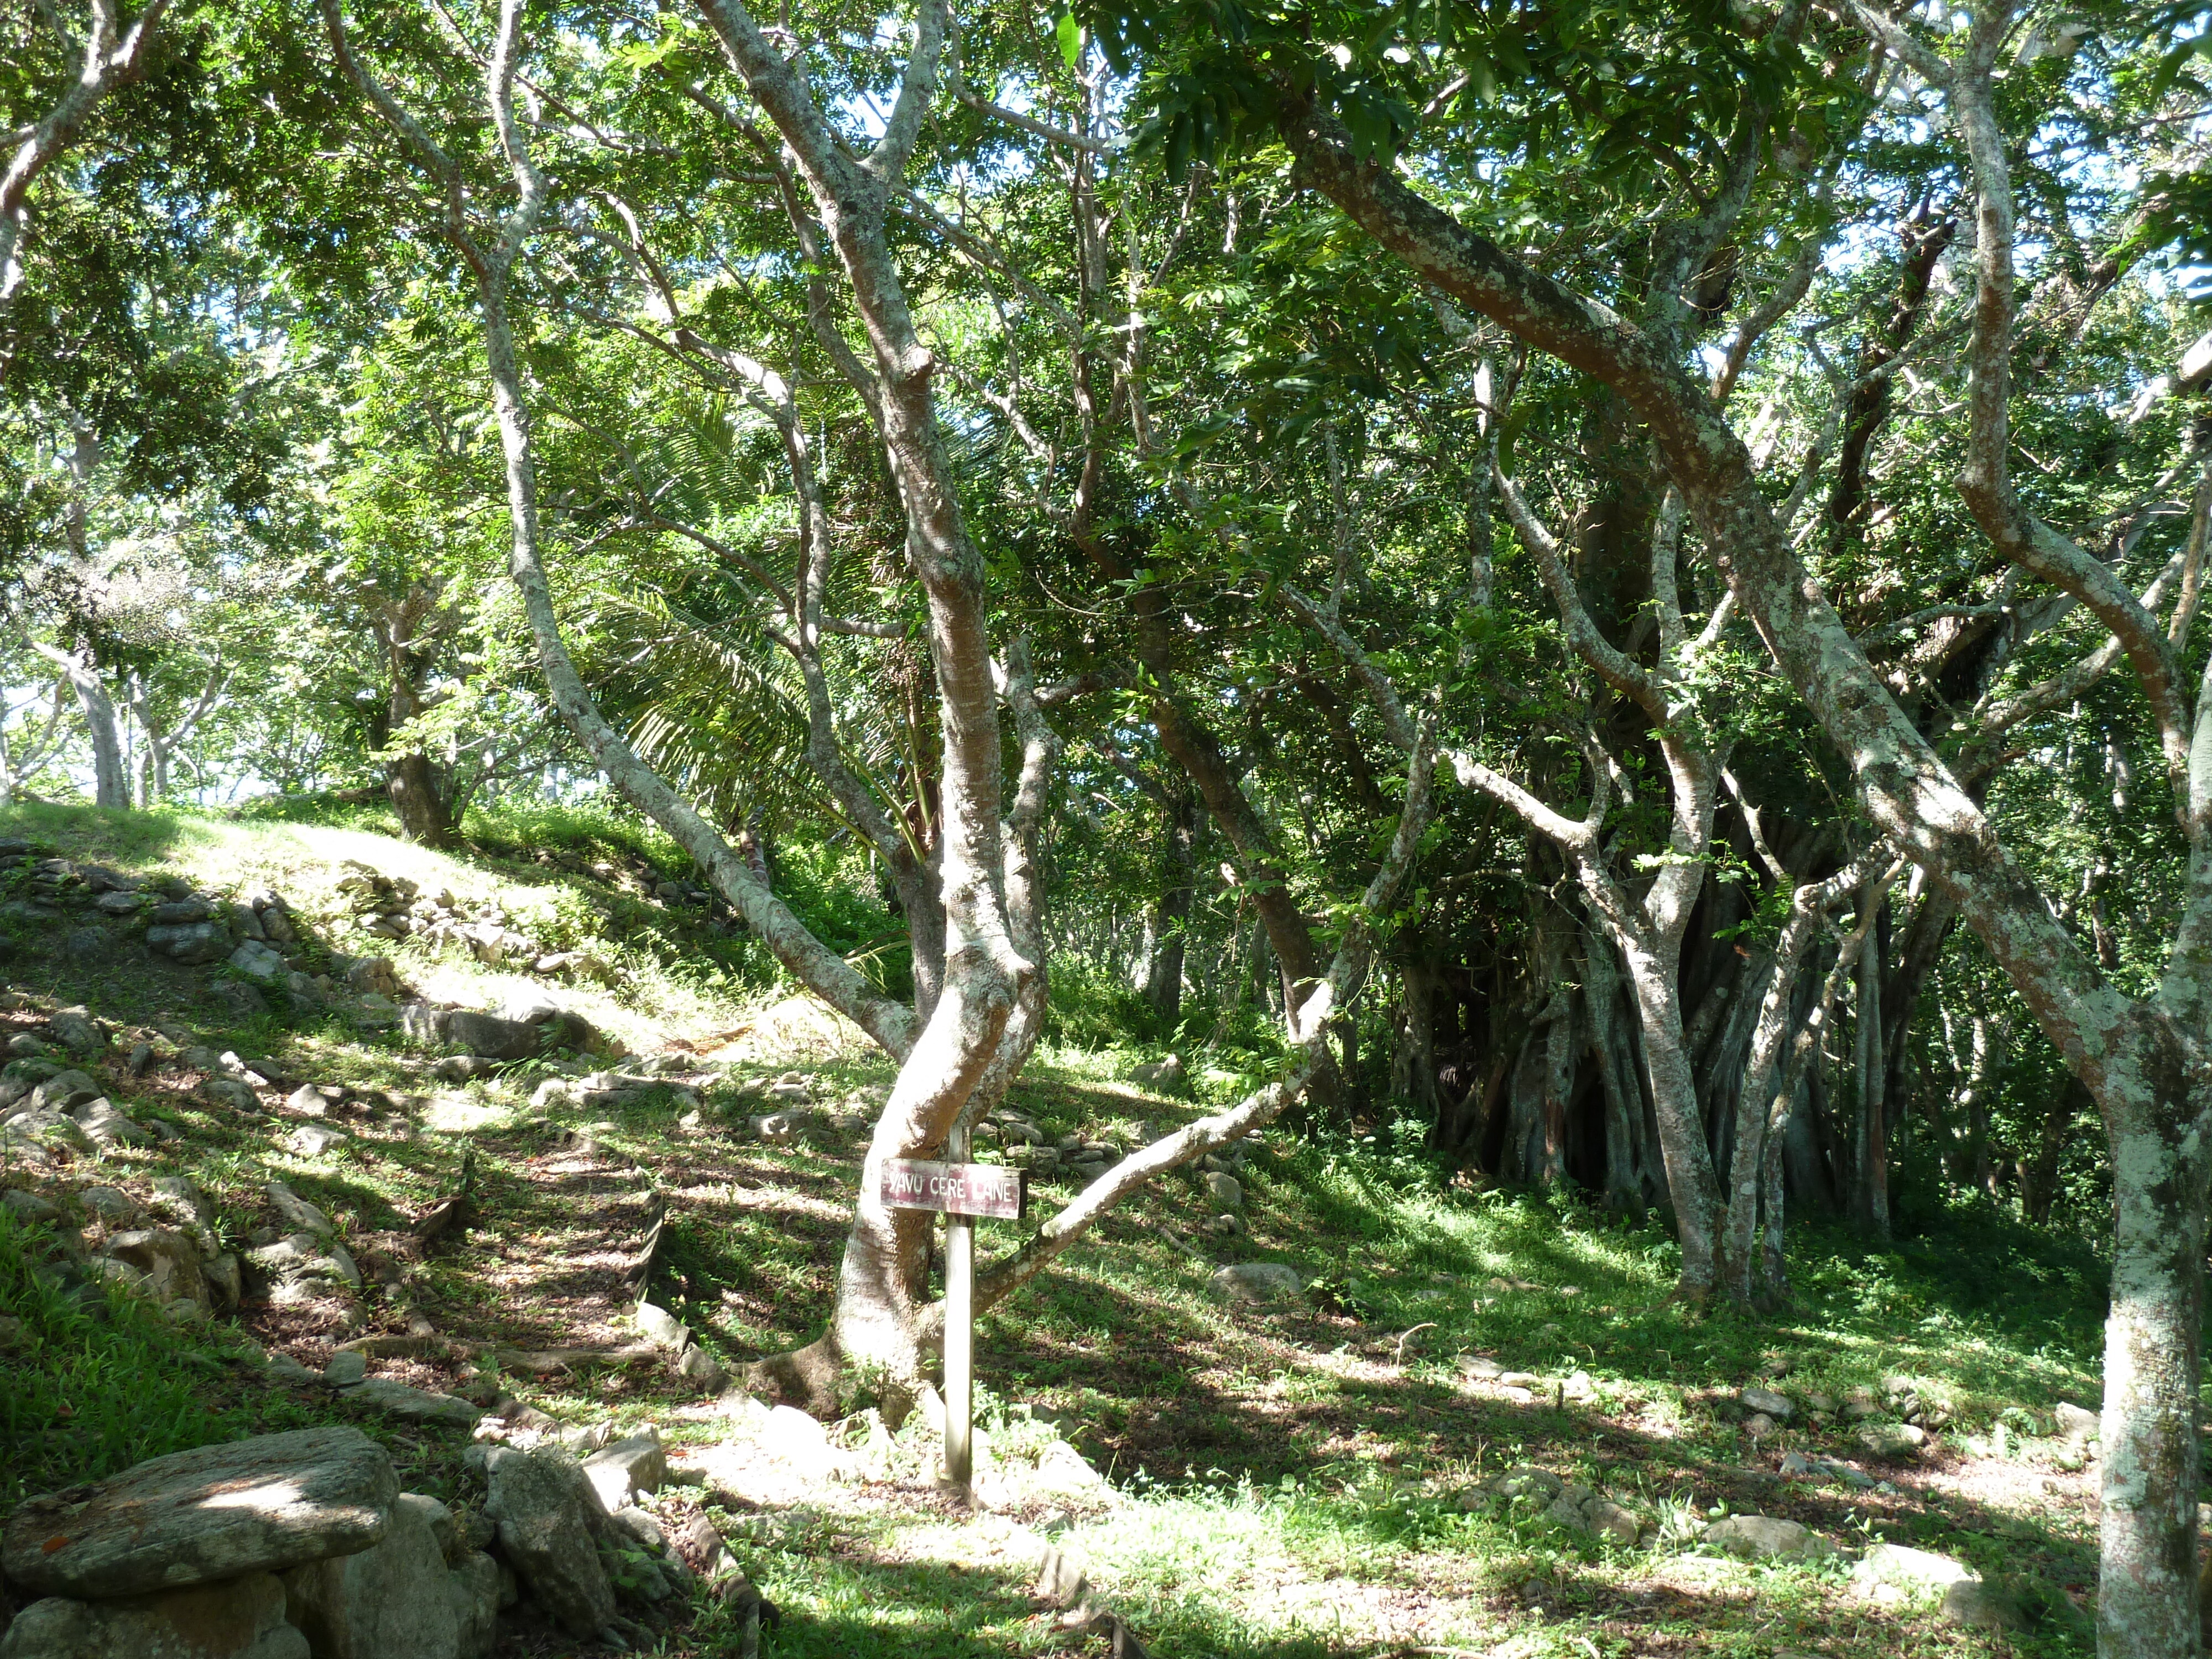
{"x":1560,"y":1051}
{"x":1870,"y":1145}
{"x":1691,"y":1186}
{"x":420,"y":789}
{"x":1625,"y":1160}
{"x":1980,"y":1083}
{"x":418,"y":798}
{"x":111,"y":779}
{"x":1178,"y":890}
{"x":1413,"y":1066}
{"x":2038,"y":1175}
{"x":2146,"y":1599}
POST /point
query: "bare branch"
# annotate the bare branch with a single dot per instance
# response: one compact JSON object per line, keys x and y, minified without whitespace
{"x":917,"y":89}
{"x":1395,"y":720}
{"x":1630,"y":678}
{"x":1985,"y":482}
{"x":1310,"y":1026}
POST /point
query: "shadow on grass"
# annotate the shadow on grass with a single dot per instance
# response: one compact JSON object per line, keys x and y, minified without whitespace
{"x":839,"y":1606}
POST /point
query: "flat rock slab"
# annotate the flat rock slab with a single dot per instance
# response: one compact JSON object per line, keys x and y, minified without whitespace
{"x":411,"y":1405}
{"x":1259,"y":1281}
{"x":258,"y":1505}
{"x":1766,"y":1538}
{"x":1897,"y":1572}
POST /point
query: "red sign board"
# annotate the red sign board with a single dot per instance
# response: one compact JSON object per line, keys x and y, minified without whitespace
{"x":988,"y":1189}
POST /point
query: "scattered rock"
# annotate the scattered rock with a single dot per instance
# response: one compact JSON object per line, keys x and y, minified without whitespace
{"x":1165,"y":1077}
{"x":305,"y":1266}
{"x":480,"y":1033}
{"x":1260,"y":1282}
{"x":170,"y":1261}
{"x":662,"y":1329}
{"x":111,"y":1205}
{"x":1766,"y":1538}
{"x":393,"y":1600}
{"x":30,"y":1207}
{"x":1528,"y":1481}
{"x":1897,"y":1573}
{"x":1224,"y":1190}
{"x":1981,"y":1606}
{"x":105,"y":1125}
{"x":546,"y":1536}
{"x":242,"y":1619}
{"x":192,"y":942}
{"x":259,"y":962}
{"x":2075,"y":1422}
{"x":225,"y":1277}
{"x":26,"y":1133}
{"x":1766,"y":1403}
{"x":228,"y":1091}
{"x":699,"y":1366}
{"x":257,"y":1505}
{"x":62,"y":1091}
{"x":374,"y":976}
{"x":316,"y":1139}
{"x":345,"y":1369}
{"x":622,"y":1470}
{"x":79,"y":1033}
{"x":1796,"y":1465}
{"x":308,"y":1100}
{"x":1892,"y":1440}
{"x":296,"y":1213}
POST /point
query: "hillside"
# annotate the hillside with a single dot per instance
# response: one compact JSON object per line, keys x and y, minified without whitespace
{"x":1319,"y":1475}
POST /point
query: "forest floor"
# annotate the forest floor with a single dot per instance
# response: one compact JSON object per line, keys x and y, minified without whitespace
{"x":1279,"y":1482}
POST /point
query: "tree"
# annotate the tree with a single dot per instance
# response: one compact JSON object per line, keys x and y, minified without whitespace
{"x":2140,"y":1058}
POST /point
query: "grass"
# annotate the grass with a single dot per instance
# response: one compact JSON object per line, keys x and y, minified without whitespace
{"x":1291,"y":1482}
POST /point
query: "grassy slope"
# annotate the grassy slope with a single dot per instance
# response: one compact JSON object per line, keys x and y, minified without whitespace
{"x":1290,"y":1478}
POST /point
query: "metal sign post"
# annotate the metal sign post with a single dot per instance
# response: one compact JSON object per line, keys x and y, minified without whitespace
{"x":958,"y":1191}
{"x":959,"y":1333}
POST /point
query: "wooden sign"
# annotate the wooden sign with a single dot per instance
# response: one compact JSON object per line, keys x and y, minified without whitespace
{"x":988,"y":1189}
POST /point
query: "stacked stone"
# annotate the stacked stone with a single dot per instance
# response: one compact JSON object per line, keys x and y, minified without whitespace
{"x":301,"y":1545}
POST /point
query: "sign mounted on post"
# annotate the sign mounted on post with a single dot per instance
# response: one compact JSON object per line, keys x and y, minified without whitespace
{"x":956,"y":1190}
{"x":985,"y":1190}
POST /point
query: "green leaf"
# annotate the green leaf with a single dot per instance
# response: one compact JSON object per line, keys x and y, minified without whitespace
{"x":1070,"y":35}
